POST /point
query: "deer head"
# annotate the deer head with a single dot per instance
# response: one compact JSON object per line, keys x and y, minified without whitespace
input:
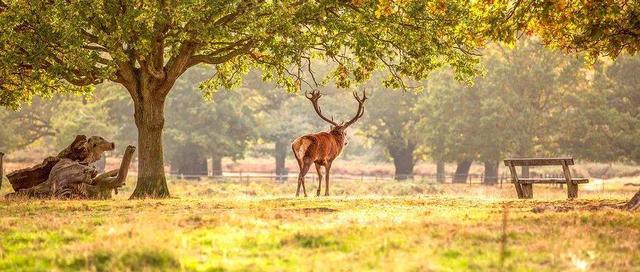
{"x":315,"y":95}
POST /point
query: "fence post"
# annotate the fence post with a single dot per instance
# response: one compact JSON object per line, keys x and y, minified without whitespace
{"x":1,"y":169}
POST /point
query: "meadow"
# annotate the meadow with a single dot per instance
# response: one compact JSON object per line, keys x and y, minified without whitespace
{"x":365,"y":226}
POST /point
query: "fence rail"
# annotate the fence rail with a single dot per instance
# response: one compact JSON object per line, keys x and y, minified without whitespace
{"x":292,"y":176}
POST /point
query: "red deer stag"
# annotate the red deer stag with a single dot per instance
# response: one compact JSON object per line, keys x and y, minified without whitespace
{"x":323,"y":147}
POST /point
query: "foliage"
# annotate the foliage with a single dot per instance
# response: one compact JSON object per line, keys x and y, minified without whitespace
{"x":83,"y":116}
{"x":597,"y":27}
{"x":514,"y":110}
{"x":114,"y":40}
{"x":221,"y":127}
{"x":603,"y":122}
{"x":390,"y":121}
{"x":26,"y":126}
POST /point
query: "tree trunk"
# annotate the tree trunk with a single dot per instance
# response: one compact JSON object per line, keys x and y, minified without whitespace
{"x":149,"y":116}
{"x":491,"y":172}
{"x":440,"y":175}
{"x":281,"y":151}
{"x":216,"y":165}
{"x":403,"y":162}
{"x":462,"y":171}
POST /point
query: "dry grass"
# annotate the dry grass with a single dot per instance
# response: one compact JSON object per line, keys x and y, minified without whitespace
{"x":408,"y":226}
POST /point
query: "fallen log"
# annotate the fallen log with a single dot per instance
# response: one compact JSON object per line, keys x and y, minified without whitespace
{"x":74,"y":180}
{"x":82,"y":149}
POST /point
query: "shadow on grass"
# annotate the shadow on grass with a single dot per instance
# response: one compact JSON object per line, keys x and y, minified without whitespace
{"x":154,"y":260}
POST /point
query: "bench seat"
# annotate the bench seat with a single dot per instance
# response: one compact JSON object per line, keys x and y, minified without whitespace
{"x":552,"y":180}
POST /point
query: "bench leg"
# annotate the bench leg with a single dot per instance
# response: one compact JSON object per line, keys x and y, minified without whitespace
{"x":518,"y":190}
{"x":572,"y":190}
{"x":527,"y":190}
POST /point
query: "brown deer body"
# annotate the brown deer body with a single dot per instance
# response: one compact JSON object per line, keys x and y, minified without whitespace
{"x":323,"y":147}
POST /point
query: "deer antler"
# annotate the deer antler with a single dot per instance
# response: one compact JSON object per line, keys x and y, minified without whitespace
{"x":314,"y":96}
{"x":360,"y":111}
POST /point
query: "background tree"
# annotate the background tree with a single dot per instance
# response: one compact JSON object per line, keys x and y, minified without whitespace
{"x":603,"y":120}
{"x":197,"y":130}
{"x":279,"y":131}
{"x":146,"y":46}
{"x":390,"y":121}
{"x":601,"y":28}
{"x":32,"y":123}
{"x":449,"y":123}
{"x":514,"y":110}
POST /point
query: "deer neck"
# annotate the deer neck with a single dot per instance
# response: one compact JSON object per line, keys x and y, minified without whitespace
{"x":339,"y":138}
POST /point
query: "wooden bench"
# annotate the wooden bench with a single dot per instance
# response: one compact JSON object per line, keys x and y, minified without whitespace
{"x":524,"y":186}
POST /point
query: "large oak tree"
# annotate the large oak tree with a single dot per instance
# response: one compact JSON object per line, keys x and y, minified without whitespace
{"x":54,"y":46}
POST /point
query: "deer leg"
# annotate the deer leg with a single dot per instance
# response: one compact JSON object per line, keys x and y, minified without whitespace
{"x":303,"y":172}
{"x":327,"y":168}
{"x":300,"y":166}
{"x":300,"y":178}
{"x":319,"y":170}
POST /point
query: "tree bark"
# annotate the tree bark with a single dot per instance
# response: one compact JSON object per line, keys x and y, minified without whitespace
{"x":281,"y":151}
{"x":491,"y":172}
{"x":149,"y":116}
{"x":440,"y":174}
{"x":403,"y":161}
{"x":462,"y":171}
{"x":216,"y":165}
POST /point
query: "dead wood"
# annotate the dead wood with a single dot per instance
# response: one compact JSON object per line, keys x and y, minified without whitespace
{"x":82,"y":149}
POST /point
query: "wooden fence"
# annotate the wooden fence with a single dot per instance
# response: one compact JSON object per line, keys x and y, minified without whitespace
{"x":245,"y":176}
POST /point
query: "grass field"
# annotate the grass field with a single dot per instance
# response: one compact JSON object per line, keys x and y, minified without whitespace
{"x":408,"y":226}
